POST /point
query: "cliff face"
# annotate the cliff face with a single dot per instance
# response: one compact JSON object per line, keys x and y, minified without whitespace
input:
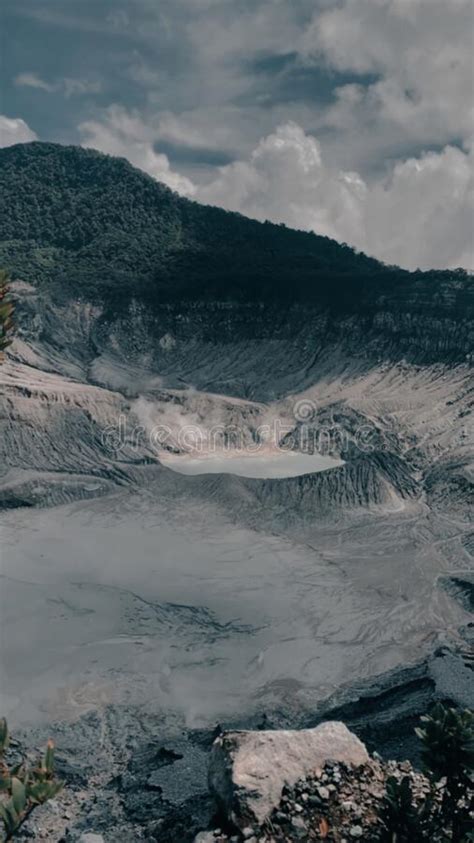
{"x":260,"y":350}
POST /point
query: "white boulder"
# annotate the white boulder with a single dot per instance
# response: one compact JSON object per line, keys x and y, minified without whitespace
{"x":248,"y":770}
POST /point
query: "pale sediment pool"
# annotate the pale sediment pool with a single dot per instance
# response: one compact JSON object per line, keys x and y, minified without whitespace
{"x":265,"y":466}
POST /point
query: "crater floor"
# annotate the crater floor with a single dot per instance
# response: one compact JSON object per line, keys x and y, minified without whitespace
{"x":133,"y":598}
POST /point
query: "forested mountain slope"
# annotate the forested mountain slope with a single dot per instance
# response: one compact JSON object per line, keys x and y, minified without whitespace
{"x":98,"y":227}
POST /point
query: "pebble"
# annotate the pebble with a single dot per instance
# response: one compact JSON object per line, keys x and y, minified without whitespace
{"x":247,"y":833}
{"x":298,"y":808}
{"x":298,"y":822}
{"x":54,"y":806}
{"x":90,"y":837}
{"x":323,"y":792}
{"x":300,"y":830}
{"x":356,"y":831}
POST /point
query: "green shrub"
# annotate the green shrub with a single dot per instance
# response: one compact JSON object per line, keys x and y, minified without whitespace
{"x":402,"y":820}
{"x":447,"y":737}
{"x":23,"y":787}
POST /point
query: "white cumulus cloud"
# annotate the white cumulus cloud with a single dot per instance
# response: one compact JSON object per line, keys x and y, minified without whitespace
{"x":419,"y":53}
{"x":419,"y":216}
{"x":124,"y":133}
{"x":14,"y":130}
{"x":285,"y":180}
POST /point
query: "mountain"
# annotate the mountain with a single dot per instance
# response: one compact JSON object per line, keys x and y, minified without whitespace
{"x":153,"y":277}
{"x":99,"y":227}
{"x":159,"y":602}
{"x":123,"y":288}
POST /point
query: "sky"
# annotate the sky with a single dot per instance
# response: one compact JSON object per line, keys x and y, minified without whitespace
{"x":352,"y":118}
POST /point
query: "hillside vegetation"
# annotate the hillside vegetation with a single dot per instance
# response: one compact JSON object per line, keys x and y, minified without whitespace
{"x":95,"y":226}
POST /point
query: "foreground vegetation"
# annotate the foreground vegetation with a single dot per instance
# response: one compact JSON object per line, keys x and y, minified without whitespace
{"x":447,"y":738}
{"x":24,"y":785}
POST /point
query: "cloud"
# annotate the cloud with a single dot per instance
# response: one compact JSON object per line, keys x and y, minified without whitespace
{"x":14,"y":130}
{"x":124,"y":133}
{"x":420,"y":55}
{"x":373,"y":79}
{"x":285,"y":180}
{"x":32,"y":80}
{"x":68,"y":86}
{"x":383,"y":85}
{"x":73,"y":87}
{"x":420,"y":216}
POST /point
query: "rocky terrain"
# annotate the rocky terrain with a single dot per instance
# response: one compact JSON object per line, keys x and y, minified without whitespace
{"x":261,"y":785}
{"x":335,"y":802}
{"x":161,"y":604}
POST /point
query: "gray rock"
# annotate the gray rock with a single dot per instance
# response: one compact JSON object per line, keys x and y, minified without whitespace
{"x":248,"y":770}
{"x":348,"y":805}
{"x":90,"y":837}
{"x":54,"y":806}
{"x":356,"y":831}
{"x":299,"y":827}
{"x":205,"y":837}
